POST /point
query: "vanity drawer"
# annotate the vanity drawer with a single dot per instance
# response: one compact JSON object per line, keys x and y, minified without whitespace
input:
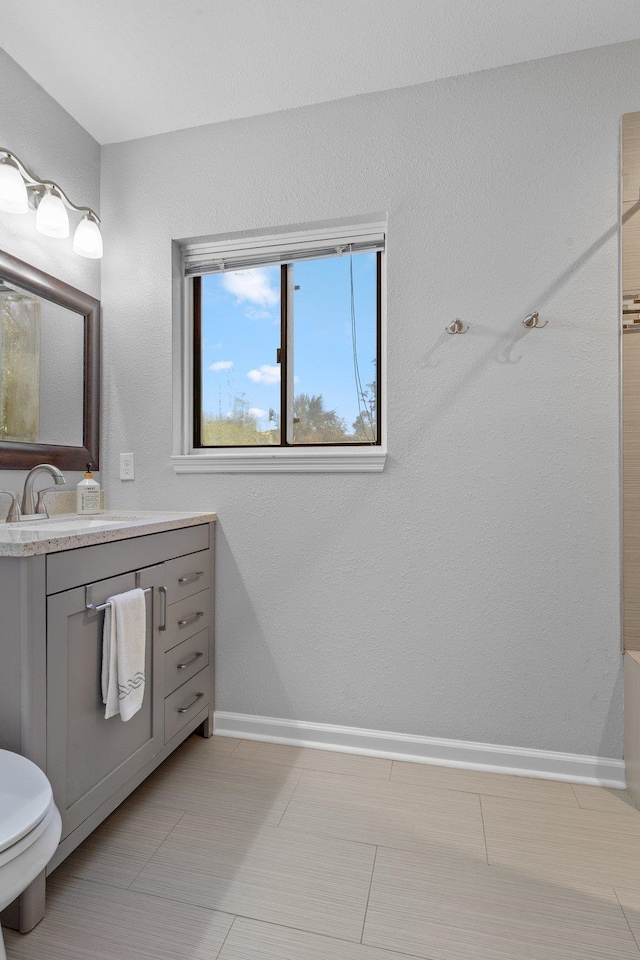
{"x":73,"y":568}
{"x":184,"y":661}
{"x":188,"y":700}
{"x":188,"y":617}
{"x":188,"y":575}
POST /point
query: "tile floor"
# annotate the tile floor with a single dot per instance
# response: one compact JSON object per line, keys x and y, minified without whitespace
{"x":235,"y":850}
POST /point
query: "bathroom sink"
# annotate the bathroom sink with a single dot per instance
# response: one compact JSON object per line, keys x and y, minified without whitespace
{"x":68,"y":525}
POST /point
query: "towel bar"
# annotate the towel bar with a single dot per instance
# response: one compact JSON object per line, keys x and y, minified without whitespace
{"x":97,"y":607}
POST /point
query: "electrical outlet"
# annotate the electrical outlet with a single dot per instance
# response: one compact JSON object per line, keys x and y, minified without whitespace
{"x":127,"y":466}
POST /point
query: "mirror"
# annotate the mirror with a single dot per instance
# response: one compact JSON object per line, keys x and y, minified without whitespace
{"x":49,"y":370}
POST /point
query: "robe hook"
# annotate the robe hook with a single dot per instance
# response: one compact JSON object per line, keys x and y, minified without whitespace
{"x":533,"y":321}
{"x":457,"y":326}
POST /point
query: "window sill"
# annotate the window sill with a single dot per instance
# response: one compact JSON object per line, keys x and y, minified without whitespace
{"x":284,"y":460}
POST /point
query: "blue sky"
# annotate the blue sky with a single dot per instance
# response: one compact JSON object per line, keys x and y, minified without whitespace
{"x":241,"y":332}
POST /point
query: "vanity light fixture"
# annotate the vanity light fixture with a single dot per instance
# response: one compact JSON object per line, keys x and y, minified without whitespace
{"x":13,"y":192}
{"x":19,"y":189}
{"x":87,"y":240}
{"x":52,"y":218}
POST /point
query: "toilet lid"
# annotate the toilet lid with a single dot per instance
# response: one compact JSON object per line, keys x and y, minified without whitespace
{"x":25,"y":797}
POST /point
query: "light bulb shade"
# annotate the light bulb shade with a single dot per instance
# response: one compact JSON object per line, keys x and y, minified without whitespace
{"x":51,"y":217}
{"x":13,"y":192}
{"x":87,"y":240}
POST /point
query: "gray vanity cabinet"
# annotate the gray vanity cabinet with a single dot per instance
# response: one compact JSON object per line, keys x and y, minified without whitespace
{"x":88,"y":757}
{"x":51,"y":706}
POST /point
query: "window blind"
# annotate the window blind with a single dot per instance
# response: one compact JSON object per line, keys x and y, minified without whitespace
{"x":200,"y":258}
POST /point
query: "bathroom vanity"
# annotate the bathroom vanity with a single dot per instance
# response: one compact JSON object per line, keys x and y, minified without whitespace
{"x":54,"y":577}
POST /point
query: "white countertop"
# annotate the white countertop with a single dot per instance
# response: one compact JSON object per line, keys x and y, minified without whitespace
{"x":70,"y":531}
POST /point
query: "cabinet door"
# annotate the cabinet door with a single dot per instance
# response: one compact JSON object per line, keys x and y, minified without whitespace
{"x":88,"y":757}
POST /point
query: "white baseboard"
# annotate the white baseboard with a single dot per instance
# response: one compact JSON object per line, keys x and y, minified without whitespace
{"x":518,"y":761}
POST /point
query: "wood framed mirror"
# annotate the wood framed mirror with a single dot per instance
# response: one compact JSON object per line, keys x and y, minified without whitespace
{"x":49,"y":370}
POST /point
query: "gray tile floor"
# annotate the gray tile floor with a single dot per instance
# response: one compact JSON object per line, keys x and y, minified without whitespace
{"x":235,"y":850}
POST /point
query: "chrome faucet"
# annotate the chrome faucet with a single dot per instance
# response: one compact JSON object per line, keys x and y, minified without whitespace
{"x":28,"y":508}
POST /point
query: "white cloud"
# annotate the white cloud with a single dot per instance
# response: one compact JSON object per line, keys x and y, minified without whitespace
{"x":221,"y":365}
{"x":265,"y":374}
{"x":253,"y":286}
{"x":257,"y":412}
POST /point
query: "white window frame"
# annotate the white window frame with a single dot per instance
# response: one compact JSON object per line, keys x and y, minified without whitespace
{"x":321,"y":459}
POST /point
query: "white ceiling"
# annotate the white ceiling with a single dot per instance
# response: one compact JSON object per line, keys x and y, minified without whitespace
{"x":131,"y":68}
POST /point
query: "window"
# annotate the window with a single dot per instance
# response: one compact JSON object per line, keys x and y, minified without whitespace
{"x":286,"y":342}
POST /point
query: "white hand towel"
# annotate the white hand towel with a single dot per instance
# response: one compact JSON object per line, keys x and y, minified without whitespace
{"x":123,"y":654}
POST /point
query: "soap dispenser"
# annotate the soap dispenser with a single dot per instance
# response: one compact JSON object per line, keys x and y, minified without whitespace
{"x":88,"y":494}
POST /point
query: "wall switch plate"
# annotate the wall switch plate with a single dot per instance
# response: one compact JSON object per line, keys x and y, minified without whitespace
{"x":127,"y":466}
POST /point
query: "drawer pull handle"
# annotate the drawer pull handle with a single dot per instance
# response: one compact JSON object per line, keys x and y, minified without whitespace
{"x":196,"y":616}
{"x":187,"y":663}
{"x":188,"y":707}
{"x":191,"y":576}
{"x":163,"y":614}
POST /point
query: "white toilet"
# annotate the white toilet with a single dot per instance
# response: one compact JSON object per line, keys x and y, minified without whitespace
{"x":30,"y":826}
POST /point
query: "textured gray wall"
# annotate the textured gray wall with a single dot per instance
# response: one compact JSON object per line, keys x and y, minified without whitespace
{"x":472,"y":590}
{"x":51,"y":144}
